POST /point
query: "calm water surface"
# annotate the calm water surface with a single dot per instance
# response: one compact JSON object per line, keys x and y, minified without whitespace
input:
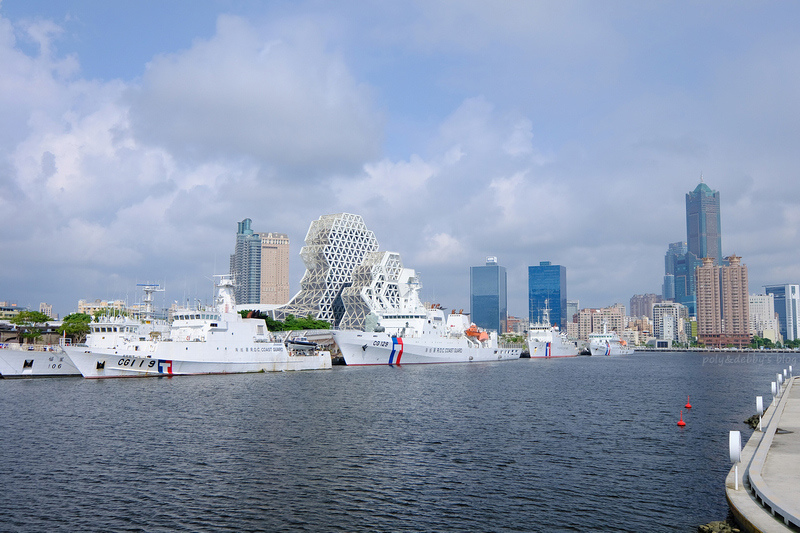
{"x":580,"y":444}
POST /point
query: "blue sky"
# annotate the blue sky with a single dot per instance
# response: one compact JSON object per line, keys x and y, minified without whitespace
{"x":135,"y":135}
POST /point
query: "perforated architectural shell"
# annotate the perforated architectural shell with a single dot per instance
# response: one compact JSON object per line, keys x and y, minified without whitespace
{"x":335,"y":246}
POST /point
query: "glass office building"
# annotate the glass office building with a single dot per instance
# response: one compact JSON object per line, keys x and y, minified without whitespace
{"x":787,"y":301}
{"x":488,"y":296}
{"x":703,"y":227}
{"x":547,"y":287}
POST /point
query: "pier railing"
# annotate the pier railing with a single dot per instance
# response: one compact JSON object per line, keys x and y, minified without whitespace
{"x":770,"y":498}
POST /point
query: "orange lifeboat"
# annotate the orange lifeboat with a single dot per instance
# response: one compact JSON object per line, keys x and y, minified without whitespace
{"x":472,"y":331}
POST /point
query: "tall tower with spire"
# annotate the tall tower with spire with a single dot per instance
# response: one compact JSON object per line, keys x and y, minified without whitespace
{"x":703,"y":228}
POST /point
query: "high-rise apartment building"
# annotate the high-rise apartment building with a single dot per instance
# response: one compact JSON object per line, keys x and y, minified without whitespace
{"x":274,"y":268}
{"x":47,"y":309}
{"x":703,"y":227}
{"x":488,"y":296}
{"x":763,"y":319}
{"x":642,"y":305}
{"x":669,"y":319}
{"x":787,"y":305}
{"x":593,"y":320}
{"x":260,"y":266}
{"x":723,"y":303}
{"x":246,"y":264}
{"x":547,"y":287}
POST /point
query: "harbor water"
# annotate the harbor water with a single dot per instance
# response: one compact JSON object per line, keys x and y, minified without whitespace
{"x":574,"y":444}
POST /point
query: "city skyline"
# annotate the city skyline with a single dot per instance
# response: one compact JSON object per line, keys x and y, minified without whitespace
{"x":456,"y":130}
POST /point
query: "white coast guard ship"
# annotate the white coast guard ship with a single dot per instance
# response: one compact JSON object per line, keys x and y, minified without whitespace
{"x":398,"y":329}
{"x":608,"y":343}
{"x":35,"y":361}
{"x":546,"y":340}
{"x":199,"y":341}
{"x":426,"y":337}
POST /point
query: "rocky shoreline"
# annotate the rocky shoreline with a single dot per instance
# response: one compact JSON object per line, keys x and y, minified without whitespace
{"x":720,"y":526}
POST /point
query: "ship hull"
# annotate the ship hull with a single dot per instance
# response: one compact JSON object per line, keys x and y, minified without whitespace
{"x":360,"y":348}
{"x":192,"y":358}
{"x":546,"y":349}
{"x":18,"y":361}
{"x":609,"y":349}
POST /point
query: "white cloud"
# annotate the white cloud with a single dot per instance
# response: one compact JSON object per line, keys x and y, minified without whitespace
{"x":284,"y":101}
{"x":440,"y":249}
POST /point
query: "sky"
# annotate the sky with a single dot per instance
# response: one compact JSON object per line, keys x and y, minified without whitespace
{"x":134,"y":135}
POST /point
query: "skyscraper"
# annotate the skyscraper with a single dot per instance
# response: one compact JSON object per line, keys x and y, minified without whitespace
{"x":547,"y":286}
{"x":703,"y":227}
{"x":723,"y":303}
{"x":274,"y":268}
{"x":675,"y":253}
{"x":260,"y":266}
{"x":703,"y":239}
{"x":787,"y":305}
{"x":488,"y":296}
{"x":246,"y":264}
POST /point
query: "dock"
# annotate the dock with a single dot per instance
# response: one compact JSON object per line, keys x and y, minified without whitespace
{"x":768,"y":495}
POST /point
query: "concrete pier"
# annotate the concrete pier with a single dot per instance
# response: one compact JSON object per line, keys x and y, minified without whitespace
{"x":768,"y":499}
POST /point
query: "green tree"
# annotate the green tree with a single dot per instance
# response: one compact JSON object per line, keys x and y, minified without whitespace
{"x":75,"y":326}
{"x":291,"y":323}
{"x":29,"y":322}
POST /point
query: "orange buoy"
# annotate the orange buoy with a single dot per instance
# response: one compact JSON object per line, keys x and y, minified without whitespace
{"x":688,"y":405}
{"x":681,"y":422}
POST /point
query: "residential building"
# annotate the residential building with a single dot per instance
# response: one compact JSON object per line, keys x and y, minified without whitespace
{"x":274,"y":268}
{"x":669,"y":319}
{"x":246,"y":264}
{"x":763,"y":318}
{"x":260,"y":266}
{"x":592,"y":320}
{"x":47,"y":309}
{"x":547,"y":287}
{"x":518,"y":325}
{"x":488,"y":296}
{"x":723,"y":313}
{"x":642,"y":304}
{"x":101,"y":306}
{"x":787,"y":305}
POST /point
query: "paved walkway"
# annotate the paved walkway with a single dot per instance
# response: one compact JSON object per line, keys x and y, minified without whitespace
{"x":768,"y":499}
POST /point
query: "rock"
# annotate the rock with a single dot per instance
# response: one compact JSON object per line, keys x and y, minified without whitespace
{"x":752,"y":421}
{"x":719,"y":526}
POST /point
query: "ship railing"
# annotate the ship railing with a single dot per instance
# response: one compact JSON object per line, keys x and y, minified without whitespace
{"x":30,"y":347}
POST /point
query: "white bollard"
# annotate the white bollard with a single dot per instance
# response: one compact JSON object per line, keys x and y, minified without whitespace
{"x":735,"y":449}
{"x":774,"y":392}
{"x":760,"y":409}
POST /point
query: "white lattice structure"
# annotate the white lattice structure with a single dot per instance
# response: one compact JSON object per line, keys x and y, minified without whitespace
{"x":380,"y":285}
{"x":335,"y":246}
